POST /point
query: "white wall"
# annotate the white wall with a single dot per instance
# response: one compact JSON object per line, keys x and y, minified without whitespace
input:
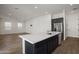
{"x":58,"y":15}
{"x":14,"y":28}
{"x":72,"y":24}
{"x":39,"y":24}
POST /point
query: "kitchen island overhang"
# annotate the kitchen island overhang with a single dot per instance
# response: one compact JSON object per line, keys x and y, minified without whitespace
{"x":32,"y":41}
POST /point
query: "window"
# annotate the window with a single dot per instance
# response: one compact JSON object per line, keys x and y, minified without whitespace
{"x":8,"y":25}
{"x":19,"y":25}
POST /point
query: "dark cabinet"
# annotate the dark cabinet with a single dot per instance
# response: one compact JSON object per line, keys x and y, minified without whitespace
{"x":43,"y":47}
{"x":52,"y":43}
{"x":29,"y":48}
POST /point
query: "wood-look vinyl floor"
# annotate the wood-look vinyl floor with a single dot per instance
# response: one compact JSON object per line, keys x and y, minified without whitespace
{"x":69,"y":46}
{"x":12,"y":44}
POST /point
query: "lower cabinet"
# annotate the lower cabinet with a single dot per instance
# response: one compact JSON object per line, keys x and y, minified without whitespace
{"x":52,"y":43}
{"x":29,"y":48}
{"x":43,"y":47}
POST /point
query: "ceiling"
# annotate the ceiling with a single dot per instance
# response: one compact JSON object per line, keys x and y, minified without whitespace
{"x":29,"y":11}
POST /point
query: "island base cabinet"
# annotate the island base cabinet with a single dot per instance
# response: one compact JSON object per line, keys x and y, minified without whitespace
{"x":46,"y":46}
{"x":29,"y":48}
{"x":41,"y":47}
{"x":52,"y":44}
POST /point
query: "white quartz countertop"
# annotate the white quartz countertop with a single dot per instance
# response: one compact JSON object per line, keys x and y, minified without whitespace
{"x":34,"y":38}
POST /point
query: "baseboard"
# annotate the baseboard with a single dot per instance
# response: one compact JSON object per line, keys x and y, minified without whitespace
{"x":72,"y":37}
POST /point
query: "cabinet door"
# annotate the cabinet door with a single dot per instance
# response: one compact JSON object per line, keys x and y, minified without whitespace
{"x":55,"y":41}
{"x":29,"y":49}
{"x":52,"y":43}
{"x":41,"y":47}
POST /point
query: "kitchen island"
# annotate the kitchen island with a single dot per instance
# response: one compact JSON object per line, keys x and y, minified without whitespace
{"x":43,"y":43}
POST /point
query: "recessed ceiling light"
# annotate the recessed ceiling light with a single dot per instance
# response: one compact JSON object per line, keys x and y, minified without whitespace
{"x":35,"y":7}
